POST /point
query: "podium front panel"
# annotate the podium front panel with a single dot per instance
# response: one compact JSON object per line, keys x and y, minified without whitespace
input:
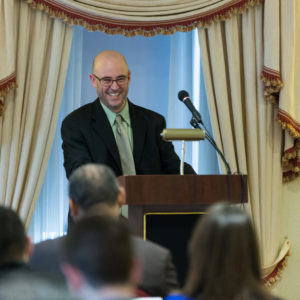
{"x":172,"y":230}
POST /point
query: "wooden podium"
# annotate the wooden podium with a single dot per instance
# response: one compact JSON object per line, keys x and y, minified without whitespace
{"x":165,"y":208}
{"x":178,"y":193}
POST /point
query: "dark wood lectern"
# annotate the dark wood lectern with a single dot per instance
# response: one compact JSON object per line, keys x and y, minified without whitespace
{"x":179,"y":193}
{"x":165,"y":208}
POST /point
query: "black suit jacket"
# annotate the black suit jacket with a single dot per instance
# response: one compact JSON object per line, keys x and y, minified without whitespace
{"x":88,"y":137}
{"x":159,"y":276}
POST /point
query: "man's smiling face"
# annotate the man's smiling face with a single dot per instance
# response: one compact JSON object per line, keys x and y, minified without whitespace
{"x":111,"y":65}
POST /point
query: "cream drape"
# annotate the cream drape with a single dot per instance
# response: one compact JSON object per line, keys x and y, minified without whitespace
{"x":244,"y":123}
{"x":29,"y":121}
{"x":289,"y":108}
{"x":7,"y":49}
{"x":143,"y":17}
{"x":280,"y":74}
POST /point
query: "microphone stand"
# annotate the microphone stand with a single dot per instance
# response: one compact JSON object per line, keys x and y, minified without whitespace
{"x":195,"y":124}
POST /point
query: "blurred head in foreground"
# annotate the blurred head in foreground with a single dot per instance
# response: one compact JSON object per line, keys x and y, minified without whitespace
{"x":17,"y":279}
{"x":14,"y":244}
{"x":94,"y":190}
{"x":224,"y":257}
{"x":98,"y":258}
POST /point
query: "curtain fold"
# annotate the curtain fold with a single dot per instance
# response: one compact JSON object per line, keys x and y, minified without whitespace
{"x":144,"y":17}
{"x":31,"y":111}
{"x":50,"y":215}
{"x":244,"y":123}
{"x":289,"y":108}
{"x":280,"y":76}
{"x":8,"y":18}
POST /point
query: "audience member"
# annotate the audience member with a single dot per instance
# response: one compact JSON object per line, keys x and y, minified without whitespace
{"x":98,"y":259}
{"x":17,"y":280}
{"x":224,"y":258}
{"x":94,"y":191}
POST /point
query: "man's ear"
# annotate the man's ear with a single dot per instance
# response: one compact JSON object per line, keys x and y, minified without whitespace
{"x":74,"y":208}
{"x":28,"y":249}
{"x":121,"y":196}
{"x":74,"y":277}
{"x":93,"y":80}
{"x":129,"y":76}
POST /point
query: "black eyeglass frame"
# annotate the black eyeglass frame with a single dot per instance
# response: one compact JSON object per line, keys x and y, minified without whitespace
{"x":119,"y":80}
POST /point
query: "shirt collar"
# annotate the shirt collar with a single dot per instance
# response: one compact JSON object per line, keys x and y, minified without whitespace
{"x":112,"y":116}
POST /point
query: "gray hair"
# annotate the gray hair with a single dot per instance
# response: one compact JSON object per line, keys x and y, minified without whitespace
{"x":93,"y":184}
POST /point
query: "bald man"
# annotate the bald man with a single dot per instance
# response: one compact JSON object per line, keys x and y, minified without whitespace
{"x":89,"y":133}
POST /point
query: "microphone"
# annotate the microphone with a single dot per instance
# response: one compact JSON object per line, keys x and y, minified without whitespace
{"x":185,"y":98}
{"x":196,"y":119}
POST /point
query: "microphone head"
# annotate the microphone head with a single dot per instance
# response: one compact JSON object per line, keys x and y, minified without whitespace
{"x":183,"y":94}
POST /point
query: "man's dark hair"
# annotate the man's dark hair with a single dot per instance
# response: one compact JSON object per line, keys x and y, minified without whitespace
{"x":100,"y":247}
{"x":93,"y":184}
{"x":12,"y":236}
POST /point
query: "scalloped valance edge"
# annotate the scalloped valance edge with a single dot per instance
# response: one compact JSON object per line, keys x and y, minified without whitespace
{"x":145,"y":28}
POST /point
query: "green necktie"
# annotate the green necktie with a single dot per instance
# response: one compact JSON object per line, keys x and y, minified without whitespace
{"x":124,"y":147}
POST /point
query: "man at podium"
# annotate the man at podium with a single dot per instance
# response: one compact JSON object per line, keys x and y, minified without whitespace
{"x":113,"y":131}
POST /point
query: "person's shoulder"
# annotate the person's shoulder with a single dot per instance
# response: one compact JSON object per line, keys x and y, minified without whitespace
{"x":146,"y":245}
{"x":45,"y":252}
{"x":81,"y":112}
{"x":50,"y":242}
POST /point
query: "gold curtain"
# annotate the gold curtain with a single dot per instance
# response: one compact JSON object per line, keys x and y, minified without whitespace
{"x":245,"y":123}
{"x":41,"y":48}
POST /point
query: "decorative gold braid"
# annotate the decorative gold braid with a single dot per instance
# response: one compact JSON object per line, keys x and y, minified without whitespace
{"x":289,"y":127}
{"x":291,"y":162}
{"x":5,"y":89}
{"x":3,"y":92}
{"x":272,"y":87}
{"x":287,"y":156}
{"x":275,"y":276}
{"x":1,"y":106}
{"x":130,"y":30}
{"x":289,"y":177}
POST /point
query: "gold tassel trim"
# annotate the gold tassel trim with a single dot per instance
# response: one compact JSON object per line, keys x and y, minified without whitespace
{"x":1,"y":106}
{"x":270,"y":280}
{"x":288,"y":155}
{"x":290,"y":128}
{"x":7,"y":84}
{"x":146,"y":28}
{"x":291,"y":162}
{"x":289,"y":124}
{"x":292,"y":174}
{"x":272,"y":84}
{"x":289,"y":177}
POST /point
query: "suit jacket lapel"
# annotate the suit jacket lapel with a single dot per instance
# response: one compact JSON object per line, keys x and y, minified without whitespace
{"x":102,"y":126}
{"x":139,"y":128}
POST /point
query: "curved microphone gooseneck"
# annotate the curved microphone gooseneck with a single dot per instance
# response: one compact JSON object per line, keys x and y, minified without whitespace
{"x":196,"y":120}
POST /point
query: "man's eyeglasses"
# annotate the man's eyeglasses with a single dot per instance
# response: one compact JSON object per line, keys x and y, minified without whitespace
{"x":108,"y":81}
